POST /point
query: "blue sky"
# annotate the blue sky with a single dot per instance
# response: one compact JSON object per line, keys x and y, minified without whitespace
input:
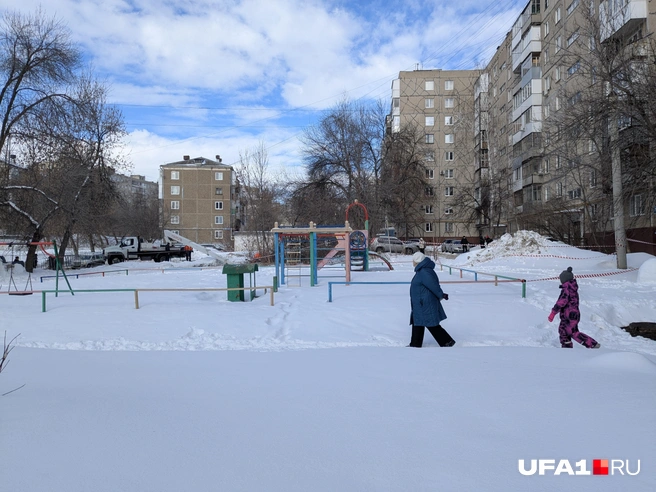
{"x":204,"y":77}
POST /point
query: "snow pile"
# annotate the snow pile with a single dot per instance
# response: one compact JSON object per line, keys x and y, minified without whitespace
{"x":647,"y":272}
{"x":521,"y":243}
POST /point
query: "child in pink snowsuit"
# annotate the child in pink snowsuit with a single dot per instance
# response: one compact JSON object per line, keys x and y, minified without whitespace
{"x":568,"y":307}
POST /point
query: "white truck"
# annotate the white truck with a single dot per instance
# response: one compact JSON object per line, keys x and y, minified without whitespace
{"x":135,"y":248}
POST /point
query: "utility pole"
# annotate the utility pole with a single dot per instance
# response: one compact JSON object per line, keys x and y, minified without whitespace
{"x":618,"y":202}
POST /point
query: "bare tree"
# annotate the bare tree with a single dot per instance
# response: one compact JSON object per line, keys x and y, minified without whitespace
{"x":260,"y":197}
{"x":37,"y":59}
{"x":343,"y":155}
{"x":404,"y":187}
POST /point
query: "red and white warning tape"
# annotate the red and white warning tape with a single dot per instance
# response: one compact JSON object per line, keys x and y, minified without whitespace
{"x":563,"y":257}
{"x":587,"y":275}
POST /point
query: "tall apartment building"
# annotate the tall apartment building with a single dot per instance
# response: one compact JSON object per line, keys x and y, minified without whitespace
{"x":545,"y":160}
{"x":439,"y":103}
{"x":200,"y":199}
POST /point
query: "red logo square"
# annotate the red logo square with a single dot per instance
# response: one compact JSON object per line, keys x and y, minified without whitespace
{"x":600,"y":467}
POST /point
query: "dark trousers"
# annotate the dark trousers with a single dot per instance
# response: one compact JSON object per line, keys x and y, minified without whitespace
{"x":440,"y":335}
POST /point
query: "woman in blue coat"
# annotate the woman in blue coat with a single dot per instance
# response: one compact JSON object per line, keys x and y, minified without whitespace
{"x":425,"y":297}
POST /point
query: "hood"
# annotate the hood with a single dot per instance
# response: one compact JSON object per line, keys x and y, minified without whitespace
{"x":425,"y":263}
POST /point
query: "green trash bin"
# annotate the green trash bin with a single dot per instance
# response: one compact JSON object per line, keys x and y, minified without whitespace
{"x":235,"y":279}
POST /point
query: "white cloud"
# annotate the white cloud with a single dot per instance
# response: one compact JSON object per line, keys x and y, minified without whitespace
{"x":202,"y":77}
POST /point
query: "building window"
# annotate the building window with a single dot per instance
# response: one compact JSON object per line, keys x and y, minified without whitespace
{"x":574,"y":194}
{"x":218,"y":205}
{"x":559,"y":162}
{"x":429,"y":191}
{"x":448,"y":120}
{"x":449,"y":155}
{"x":396,"y":124}
{"x":175,"y":205}
{"x":557,"y":16}
{"x":448,"y":85}
{"x":536,"y":193}
{"x":429,"y":103}
{"x":430,"y":120}
{"x":218,"y":219}
{"x":448,"y":174}
{"x":593,"y":209}
{"x":430,"y":174}
{"x":593,"y":178}
{"x":218,"y":234}
{"x":448,"y":227}
{"x":175,"y":190}
{"x":175,"y":219}
{"x":448,"y":138}
{"x":448,"y":211}
{"x":396,"y":102}
{"x":572,"y":38}
{"x":218,"y":176}
{"x":636,"y":206}
{"x":430,"y":138}
{"x":218,"y":191}
{"x":574,"y":68}
{"x":430,"y":156}
{"x":546,"y":29}
{"x":448,"y":191}
{"x":428,"y":209}
{"x":175,"y":174}
{"x":429,"y":85}
{"x":572,"y":6}
{"x":448,"y":102}
{"x":547,"y":193}
{"x":428,"y":227}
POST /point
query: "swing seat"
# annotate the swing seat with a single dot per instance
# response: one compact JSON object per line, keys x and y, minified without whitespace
{"x":17,"y":293}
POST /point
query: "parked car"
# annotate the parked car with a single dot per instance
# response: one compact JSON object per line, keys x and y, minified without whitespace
{"x":88,"y":260}
{"x":389,"y":244}
{"x":455,"y":246}
{"x":445,"y":245}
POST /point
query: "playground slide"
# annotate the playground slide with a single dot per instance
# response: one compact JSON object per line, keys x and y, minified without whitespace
{"x":341,"y":246}
{"x":385,"y":260}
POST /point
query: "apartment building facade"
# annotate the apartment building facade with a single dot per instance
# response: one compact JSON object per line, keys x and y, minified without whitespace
{"x":439,"y":104}
{"x":548,"y":161}
{"x":199,"y":200}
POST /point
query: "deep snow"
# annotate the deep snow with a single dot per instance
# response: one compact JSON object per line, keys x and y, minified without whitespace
{"x":192,"y":392}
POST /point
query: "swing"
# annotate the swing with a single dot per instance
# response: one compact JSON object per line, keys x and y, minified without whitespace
{"x":16,"y":292}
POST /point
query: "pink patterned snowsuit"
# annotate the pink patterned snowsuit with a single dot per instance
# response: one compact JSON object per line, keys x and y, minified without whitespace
{"x":568,"y":307}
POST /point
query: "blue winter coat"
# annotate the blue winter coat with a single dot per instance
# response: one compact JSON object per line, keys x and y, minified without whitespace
{"x":425,"y":295}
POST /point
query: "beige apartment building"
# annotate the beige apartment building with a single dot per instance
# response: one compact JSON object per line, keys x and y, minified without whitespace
{"x":439,"y":103}
{"x":199,"y":200}
{"x":547,"y":166}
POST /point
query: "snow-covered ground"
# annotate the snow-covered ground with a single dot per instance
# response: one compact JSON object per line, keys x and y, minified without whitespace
{"x":191,"y":392}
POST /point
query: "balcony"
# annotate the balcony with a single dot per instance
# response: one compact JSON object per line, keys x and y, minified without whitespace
{"x":535,"y":126}
{"x":530,"y":43}
{"x":620,"y":17}
{"x":533,"y":179}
